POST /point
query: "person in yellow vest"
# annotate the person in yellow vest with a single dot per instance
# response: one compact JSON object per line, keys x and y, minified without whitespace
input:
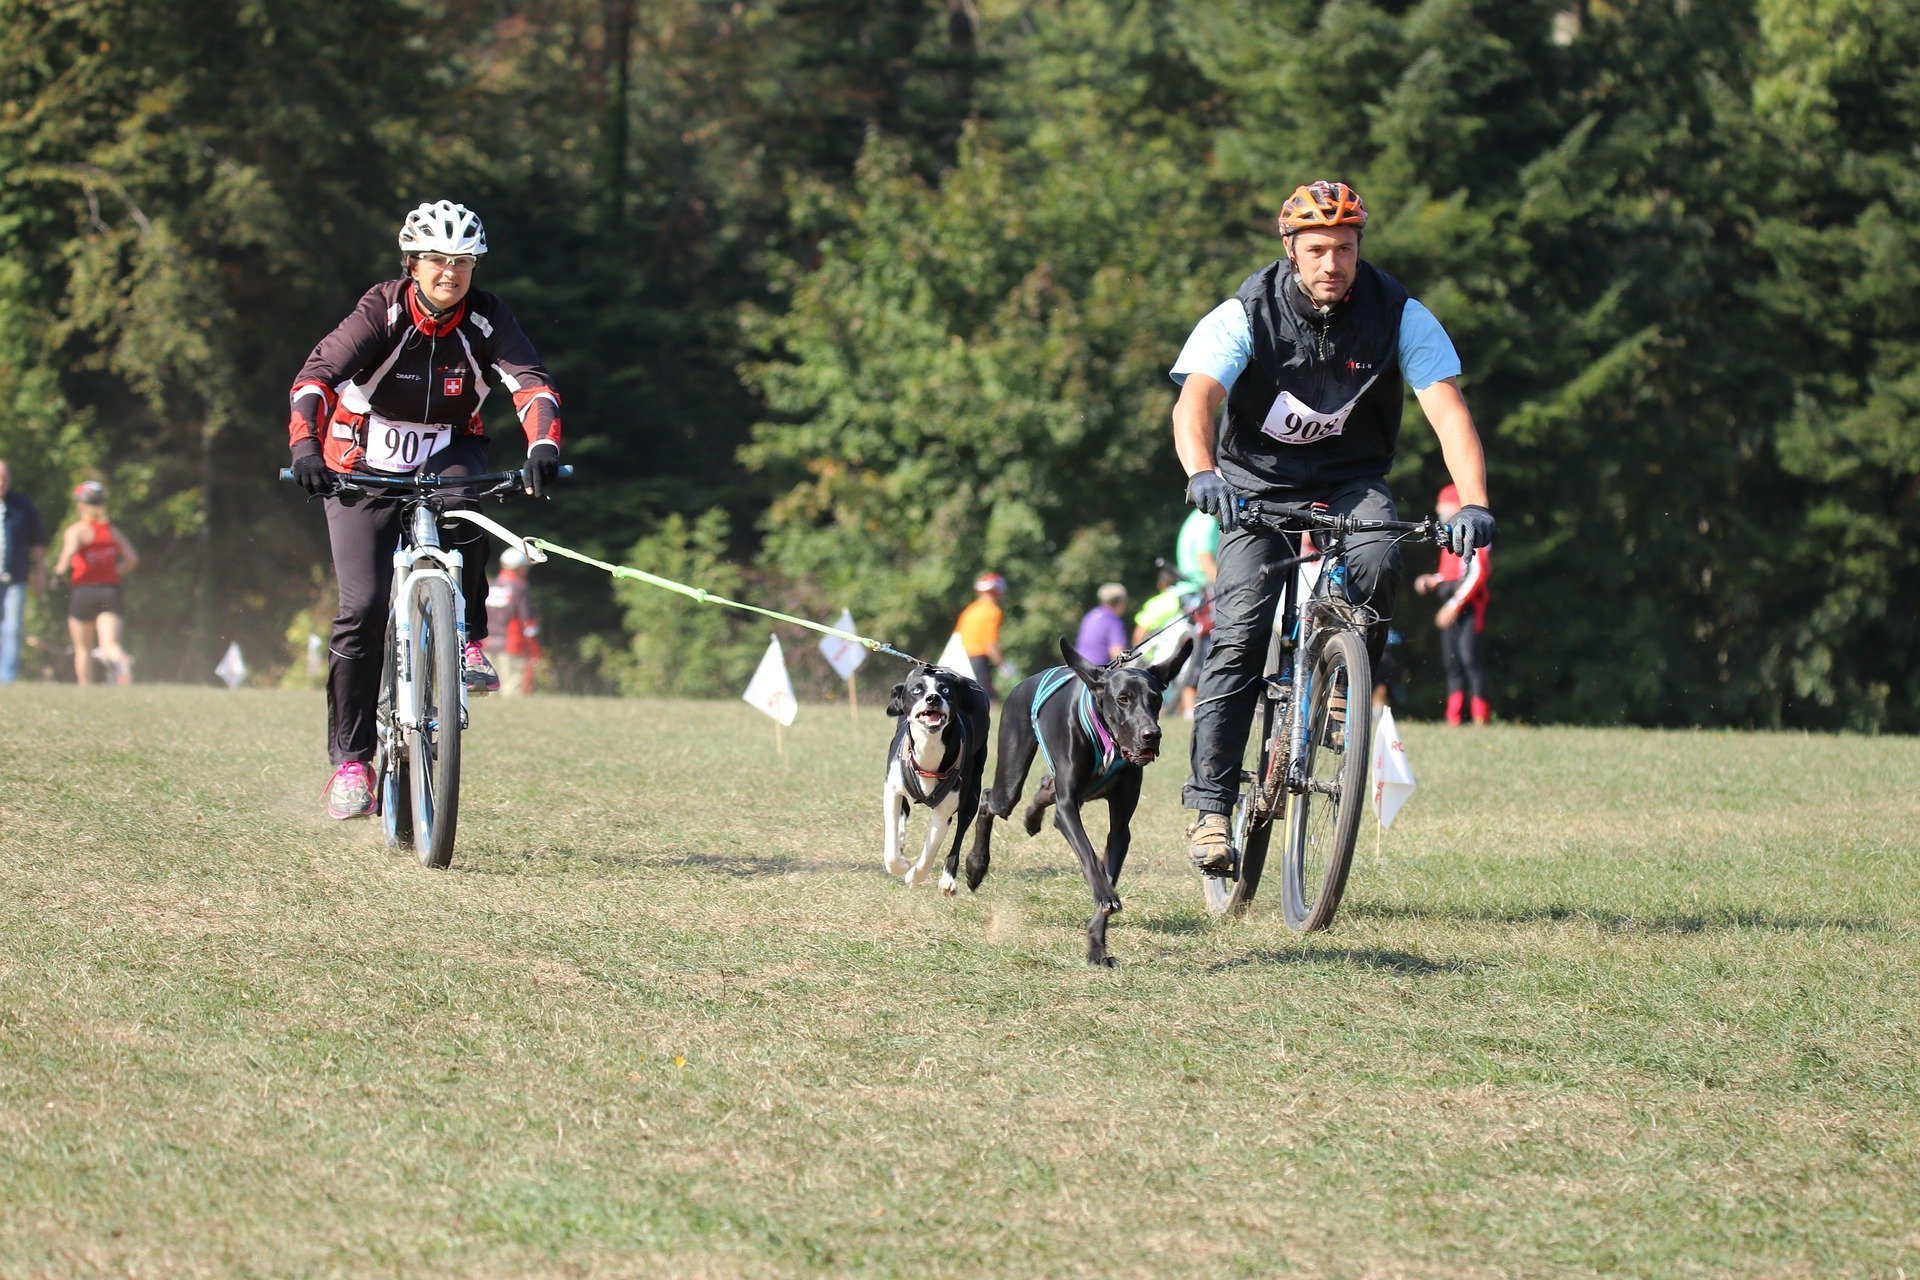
{"x":979,"y":628}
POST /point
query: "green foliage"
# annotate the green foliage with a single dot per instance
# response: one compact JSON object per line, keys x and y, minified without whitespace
{"x":896,"y":287}
{"x":976,"y":371}
{"x":677,"y":647}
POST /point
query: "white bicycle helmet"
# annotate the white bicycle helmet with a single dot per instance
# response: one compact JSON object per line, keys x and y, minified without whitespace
{"x":443,"y":227}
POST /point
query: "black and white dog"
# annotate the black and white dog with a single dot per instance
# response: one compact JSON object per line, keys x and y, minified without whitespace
{"x":938,"y":759}
{"x":1097,"y":729}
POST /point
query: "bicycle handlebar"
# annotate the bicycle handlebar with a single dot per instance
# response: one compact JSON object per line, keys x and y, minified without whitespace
{"x":1274,"y":515}
{"x":502,"y":480}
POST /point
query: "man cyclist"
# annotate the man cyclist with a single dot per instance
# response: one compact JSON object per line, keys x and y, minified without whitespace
{"x":396,"y":388}
{"x":1309,"y":357}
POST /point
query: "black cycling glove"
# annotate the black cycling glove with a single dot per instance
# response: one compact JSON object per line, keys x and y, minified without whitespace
{"x":1213,"y":495}
{"x":1470,"y":528}
{"x":543,"y":467}
{"x":311,"y":474}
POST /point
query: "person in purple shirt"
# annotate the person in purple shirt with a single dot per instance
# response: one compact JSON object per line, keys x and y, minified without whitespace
{"x":1103,"y":632}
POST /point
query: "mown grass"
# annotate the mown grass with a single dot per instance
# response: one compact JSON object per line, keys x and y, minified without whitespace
{"x":1606,"y":1003}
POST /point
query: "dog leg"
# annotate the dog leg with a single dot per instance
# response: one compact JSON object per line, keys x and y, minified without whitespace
{"x":1037,"y":809}
{"x":937,"y":825}
{"x":980,"y":857}
{"x":1066,"y":816}
{"x":1122,"y":800}
{"x":967,"y":813}
{"x":893,"y":807}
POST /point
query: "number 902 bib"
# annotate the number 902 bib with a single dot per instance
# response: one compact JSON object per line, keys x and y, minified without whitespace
{"x":398,"y":447}
{"x":1292,"y":420}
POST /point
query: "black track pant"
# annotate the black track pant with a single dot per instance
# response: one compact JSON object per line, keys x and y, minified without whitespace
{"x":1463,"y":651}
{"x":1245,"y":594}
{"x":364,"y":532}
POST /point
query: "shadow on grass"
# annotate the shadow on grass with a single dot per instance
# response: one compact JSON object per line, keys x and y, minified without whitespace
{"x":1377,"y":958}
{"x":1623,"y":922}
{"x":571,"y":861}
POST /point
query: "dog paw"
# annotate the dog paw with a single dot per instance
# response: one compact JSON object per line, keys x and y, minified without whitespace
{"x":948,"y":886}
{"x":1111,"y":906}
{"x":896,"y":866}
{"x":1102,"y":962}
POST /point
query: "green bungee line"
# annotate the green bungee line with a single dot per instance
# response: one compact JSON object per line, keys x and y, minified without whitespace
{"x":703,"y":596}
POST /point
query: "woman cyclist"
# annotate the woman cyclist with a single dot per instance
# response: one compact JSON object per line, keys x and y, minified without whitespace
{"x":396,"y":388}
{"x":97,"y":554}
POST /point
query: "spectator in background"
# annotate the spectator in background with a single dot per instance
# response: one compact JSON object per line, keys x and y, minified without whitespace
{"x":511,"y":626}
{"x":1388,"y":676}
{"x":1195,"y":548}
{"x":23,"y":550}
{"x":1164,"y":621}
{"x":1462,"y":620}
{"x":979,"y":628}
{"x":97,"y":554}
{"x":1103,"y":631}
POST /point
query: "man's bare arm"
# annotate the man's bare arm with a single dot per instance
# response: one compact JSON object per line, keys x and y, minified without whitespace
{"x":1446,"y":410}
{"x":1193,"y":417}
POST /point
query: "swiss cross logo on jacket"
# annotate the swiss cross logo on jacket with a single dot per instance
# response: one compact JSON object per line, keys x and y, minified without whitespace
{"x":453,"y":384}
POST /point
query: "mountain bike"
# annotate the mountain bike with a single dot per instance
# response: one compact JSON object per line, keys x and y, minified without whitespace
{"x":422,"y":708}
{"x":1315,"y":724}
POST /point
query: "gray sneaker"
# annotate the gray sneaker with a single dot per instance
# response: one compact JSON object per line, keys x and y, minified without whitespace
{"x":1210,"y":844}
{"x":350,"y":792}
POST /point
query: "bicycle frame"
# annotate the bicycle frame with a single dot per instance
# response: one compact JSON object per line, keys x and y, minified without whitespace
{"x":1300,"y":624}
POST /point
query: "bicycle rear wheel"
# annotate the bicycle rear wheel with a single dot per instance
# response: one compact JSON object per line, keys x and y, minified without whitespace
{"x":1231,"y":896}
{"x":394,"y":789}
{"x":433,"y":744}
{"x":1323,"y":820}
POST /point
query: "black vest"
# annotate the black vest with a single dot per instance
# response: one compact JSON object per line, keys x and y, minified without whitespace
{"x":1342,"y":419}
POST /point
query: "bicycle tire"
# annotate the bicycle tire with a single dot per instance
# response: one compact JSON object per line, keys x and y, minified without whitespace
{"x":1229,"y":898}
{"x":395,"y":790}
{"x":433,"y":743}
{"x":1317,"y":851}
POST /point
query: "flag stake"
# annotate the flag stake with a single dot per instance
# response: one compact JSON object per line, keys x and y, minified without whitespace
{"x":853,"y":697}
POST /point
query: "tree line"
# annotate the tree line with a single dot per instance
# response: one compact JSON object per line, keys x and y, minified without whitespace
{"x":851,"y":300}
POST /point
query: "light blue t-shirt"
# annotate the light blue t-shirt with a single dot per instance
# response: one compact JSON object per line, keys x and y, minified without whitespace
{"x":1221,"y":345}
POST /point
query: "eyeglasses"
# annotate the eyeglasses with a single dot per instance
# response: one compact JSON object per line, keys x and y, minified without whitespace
{"x":458,"y":261}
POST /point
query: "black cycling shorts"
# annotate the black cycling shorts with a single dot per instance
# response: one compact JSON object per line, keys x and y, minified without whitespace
{"x":87,"y":603}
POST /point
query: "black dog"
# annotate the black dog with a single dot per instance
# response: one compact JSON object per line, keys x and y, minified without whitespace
{"x":1098,"y":728}
{"x":938,"y":759}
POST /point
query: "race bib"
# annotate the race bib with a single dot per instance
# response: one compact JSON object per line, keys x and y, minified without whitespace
{"x":1293,"y":421}
{"x":399,"y":447}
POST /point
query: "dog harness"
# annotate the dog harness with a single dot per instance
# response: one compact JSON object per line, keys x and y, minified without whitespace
{"x":943,"y":782}
{"x":1107,"y":761}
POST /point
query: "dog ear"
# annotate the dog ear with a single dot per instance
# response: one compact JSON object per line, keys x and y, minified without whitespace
{"x":1164,"y":672}
{"x":1081,"y":667}
{"x":897,"y":700}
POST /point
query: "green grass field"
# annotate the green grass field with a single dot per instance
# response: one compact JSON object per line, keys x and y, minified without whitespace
{"x":1606,"y":1003}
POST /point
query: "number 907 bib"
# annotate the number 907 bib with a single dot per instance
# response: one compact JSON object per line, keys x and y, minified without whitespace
{"x":398,"y":447}
{"x":1294,"y":421}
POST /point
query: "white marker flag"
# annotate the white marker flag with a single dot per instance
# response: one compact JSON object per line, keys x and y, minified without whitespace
{"x":233,"y":667}
{"x":954,"y":657}
{"x":844,"y":656}
{"x":1392,"y":775}
{"x":770,"y":690}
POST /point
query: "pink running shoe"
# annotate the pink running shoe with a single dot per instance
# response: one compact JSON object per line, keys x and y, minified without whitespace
{"x":478,"y":673}
{"x":350,"y":793}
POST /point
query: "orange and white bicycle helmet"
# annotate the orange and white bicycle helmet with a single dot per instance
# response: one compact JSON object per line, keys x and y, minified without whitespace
{"x":443,"y":227}
{"x":1322,"y":204}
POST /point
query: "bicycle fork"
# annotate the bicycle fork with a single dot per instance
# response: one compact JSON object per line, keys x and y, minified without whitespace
{"x":426,"y":558}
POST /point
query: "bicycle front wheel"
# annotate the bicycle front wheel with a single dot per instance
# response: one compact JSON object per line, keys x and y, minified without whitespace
{"x":433,"y":744}
{"x":1323,"y":819}
{"x":395,"y":791}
